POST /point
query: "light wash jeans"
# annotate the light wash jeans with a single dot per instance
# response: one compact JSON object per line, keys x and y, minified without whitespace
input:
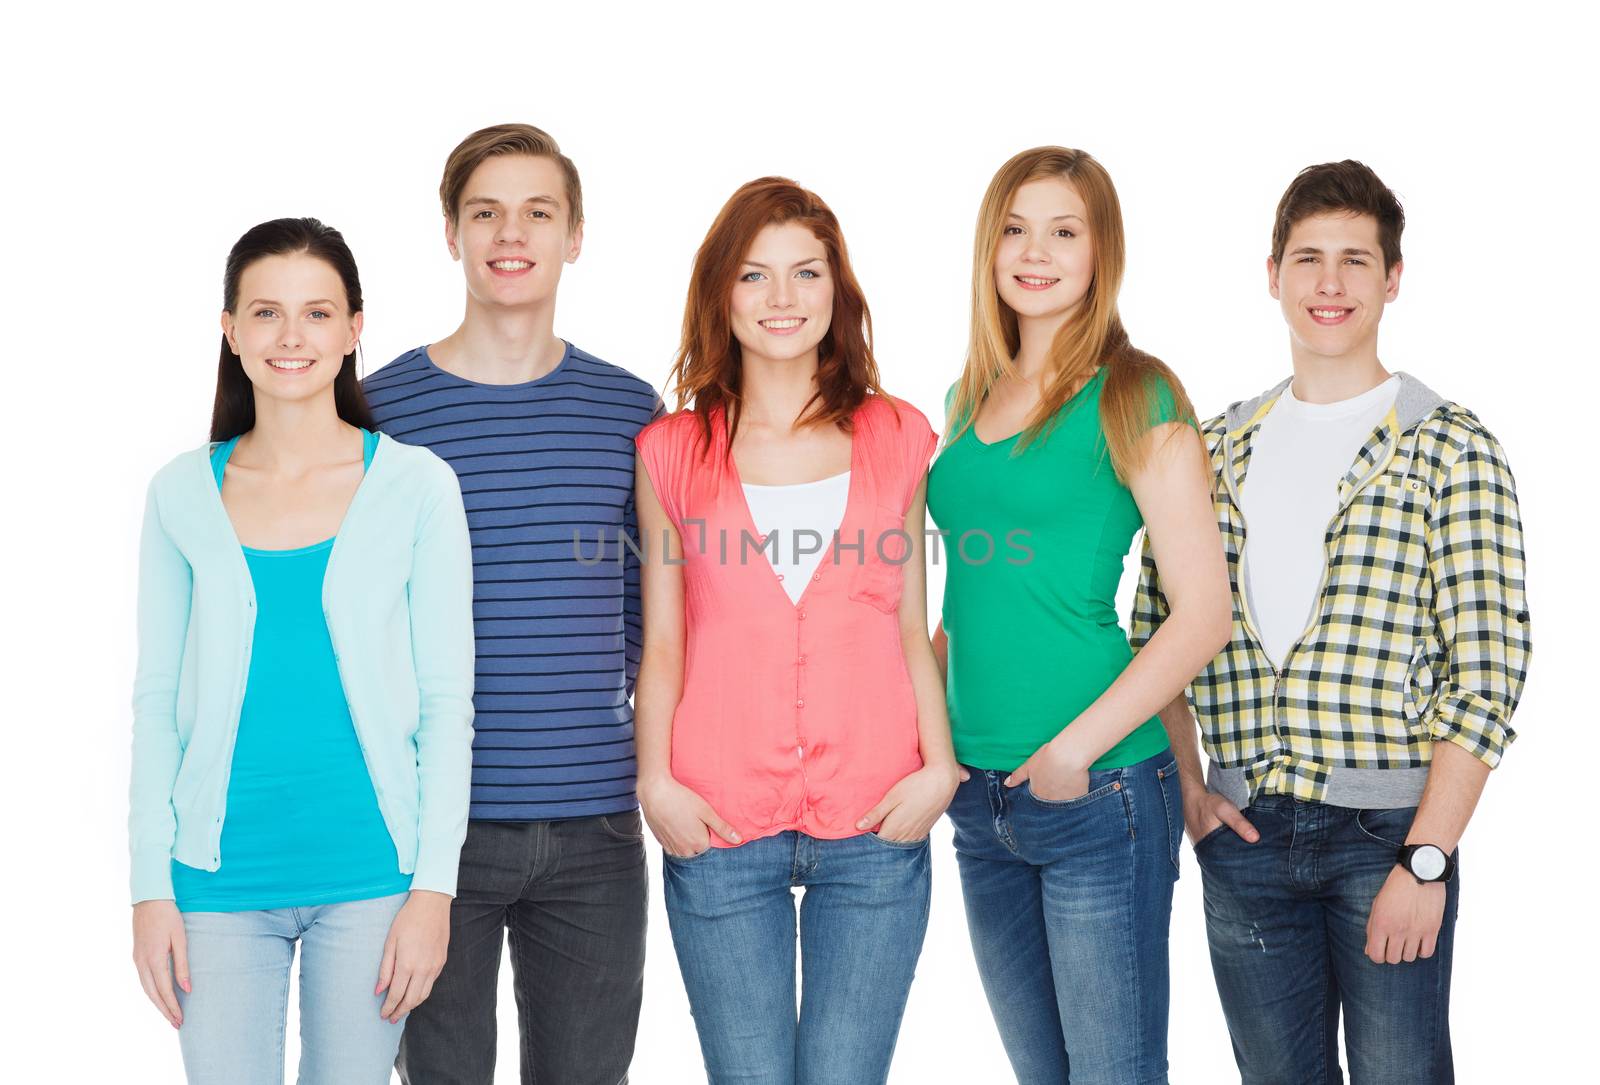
{"x":234,"y":1018}
{"x":862,"y":919}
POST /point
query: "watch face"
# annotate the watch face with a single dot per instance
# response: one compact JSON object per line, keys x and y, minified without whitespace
{"x":1427,"y":862}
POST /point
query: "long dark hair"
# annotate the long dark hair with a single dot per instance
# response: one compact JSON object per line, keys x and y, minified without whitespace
{"x":234,"y":410}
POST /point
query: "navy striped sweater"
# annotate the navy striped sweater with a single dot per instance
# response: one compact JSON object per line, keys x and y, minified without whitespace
{"x":558,"y":633}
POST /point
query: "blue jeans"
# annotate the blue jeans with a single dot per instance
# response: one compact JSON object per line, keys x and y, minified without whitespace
{"x":1287,"y":921}
{"x":1068,"y":905}
{"x":234,"y":1019}
{"x":862,"y":920}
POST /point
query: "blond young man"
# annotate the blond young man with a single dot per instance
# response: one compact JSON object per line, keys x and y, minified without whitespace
{"x":540,"y":434}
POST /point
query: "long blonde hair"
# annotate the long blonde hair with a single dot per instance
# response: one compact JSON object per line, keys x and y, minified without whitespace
{"x":1093,"y":337}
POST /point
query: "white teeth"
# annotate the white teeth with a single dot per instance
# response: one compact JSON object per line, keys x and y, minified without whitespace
{"x":1031,"y":281}
{"x":1329,"y":314}
{"x":287,"y":363}
{"x":510,"y":265}
{"x":789,"y":322}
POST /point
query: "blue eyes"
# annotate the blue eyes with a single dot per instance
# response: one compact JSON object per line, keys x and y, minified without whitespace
{"x":756,"y":276}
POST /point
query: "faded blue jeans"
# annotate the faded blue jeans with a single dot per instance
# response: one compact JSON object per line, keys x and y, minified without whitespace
{"x":1287,"y":921}
{"x":235,"y":1016}
{"x":862,"y":921}
{"x":1068,"y":905}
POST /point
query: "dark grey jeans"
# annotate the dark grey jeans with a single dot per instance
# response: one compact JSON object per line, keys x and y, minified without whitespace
{"x":573,"y":896}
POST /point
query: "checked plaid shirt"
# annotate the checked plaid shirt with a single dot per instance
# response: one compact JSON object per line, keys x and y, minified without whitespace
{"x":1419,"y":633}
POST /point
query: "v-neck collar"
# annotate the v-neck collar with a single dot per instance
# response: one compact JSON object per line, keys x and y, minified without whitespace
{"x":851,"y":501}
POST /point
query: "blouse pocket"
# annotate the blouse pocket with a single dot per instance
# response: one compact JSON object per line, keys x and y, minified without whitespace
{"x":885,"y":549}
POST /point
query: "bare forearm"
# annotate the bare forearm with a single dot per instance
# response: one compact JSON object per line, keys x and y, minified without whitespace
{"x":1455,"y":782}
{"x":941,"y":651}
{"x":656,"y":695}
{"x":1184,"y":644}
{"x":927,"y":683}
{"x":1181,"y":732}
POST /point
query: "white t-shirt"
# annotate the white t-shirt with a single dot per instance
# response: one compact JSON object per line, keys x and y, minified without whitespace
{"x":1290,"y":493}
{"x":801,"y":514}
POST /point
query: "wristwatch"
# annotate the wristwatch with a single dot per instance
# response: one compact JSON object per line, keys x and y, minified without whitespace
{"x":1426,"y":863}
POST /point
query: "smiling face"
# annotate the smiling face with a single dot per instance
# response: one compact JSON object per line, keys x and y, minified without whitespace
{"x":1332,"y":285}
{"x":782,"y":301}
{"x":512,"y":232}
{"x":1044,"y":262}
{"x":292,"y":327}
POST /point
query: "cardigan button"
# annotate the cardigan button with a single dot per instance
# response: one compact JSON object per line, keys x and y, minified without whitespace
{"x":799,"y":704}
{"x":801,"y":615}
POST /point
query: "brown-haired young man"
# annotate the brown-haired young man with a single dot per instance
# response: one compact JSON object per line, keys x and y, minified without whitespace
{"x":541,"y":436}
{"x":1380,"y":645}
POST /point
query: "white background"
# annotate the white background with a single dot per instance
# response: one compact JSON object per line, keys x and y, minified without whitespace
{"x":142,"y":140}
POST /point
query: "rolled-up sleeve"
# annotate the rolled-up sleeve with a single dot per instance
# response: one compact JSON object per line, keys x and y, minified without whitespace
{"x":1476,"y":559}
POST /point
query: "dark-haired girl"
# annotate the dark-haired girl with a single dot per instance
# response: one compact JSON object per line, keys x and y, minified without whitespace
{"x":303,"y":705}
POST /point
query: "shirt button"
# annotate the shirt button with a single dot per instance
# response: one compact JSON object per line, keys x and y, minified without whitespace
{"x":801,"y":615}
{"x":801,"y":661}
{"x":816,"y":576}
{"x":799,"y":704}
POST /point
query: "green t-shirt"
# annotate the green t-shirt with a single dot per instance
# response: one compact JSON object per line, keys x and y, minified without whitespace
{"x":1033,"y":633}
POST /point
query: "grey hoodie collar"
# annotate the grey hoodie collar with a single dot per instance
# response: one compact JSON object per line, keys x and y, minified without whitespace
{"x":1413,"y":402}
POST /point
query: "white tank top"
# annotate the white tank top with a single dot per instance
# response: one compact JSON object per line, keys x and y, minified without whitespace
{"x":804,"y":517}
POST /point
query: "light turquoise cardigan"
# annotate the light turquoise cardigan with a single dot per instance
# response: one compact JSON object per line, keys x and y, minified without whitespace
{"x":398,"y":600}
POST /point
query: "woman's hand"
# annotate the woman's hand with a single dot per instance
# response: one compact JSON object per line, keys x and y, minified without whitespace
{"x":909,"y":809}
{"x":680,"y":819}
{"x":1057,"y":775}
{"x":414,"y":953}
{"x":160,"y":950}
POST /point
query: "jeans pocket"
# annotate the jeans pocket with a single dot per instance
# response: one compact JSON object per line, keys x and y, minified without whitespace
{"x":1172,"y":803}
{"x":1211,"y":836}
{"x":1388,"y":827}
{"x":902,"y":845}
{"x":1101,"y":784}
{"x":626,"y":827}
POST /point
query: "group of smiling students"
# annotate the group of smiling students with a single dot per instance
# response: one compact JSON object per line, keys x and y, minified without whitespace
{"x":413,"y":651}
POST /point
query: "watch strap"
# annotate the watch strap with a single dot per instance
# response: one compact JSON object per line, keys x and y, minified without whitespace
{"x":1403,"y":857}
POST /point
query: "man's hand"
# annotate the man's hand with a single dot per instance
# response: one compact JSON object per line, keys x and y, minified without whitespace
{"x":1203,"y":811}
{"x":1404,"y":923}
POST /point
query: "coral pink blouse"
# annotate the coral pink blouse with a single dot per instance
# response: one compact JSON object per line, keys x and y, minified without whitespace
{"x":793,"y":715}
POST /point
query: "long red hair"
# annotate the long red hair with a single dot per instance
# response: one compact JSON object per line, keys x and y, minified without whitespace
{"x":707,"y":373}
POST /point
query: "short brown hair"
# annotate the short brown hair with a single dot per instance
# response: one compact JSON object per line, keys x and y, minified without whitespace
{"x":1348,"y":186}
{"x":506,"y":139}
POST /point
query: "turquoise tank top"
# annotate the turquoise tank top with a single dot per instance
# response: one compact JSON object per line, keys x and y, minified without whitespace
{"x":302,"y":820}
